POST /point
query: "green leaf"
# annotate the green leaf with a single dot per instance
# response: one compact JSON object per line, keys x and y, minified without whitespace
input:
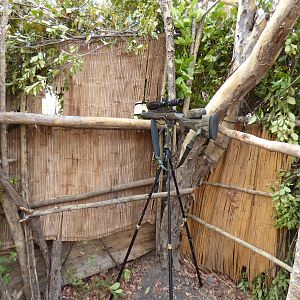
{"x":115,"y":286}
{"x":126,"y":275}
{"x":118,"y":291}
{"x":147,"y":290}
{"x":252,"y":120}
{"x":294,"y":136}
{"x":291,"y":100}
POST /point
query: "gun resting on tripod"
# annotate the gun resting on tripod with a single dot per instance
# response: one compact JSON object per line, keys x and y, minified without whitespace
{"x":204,"y":123}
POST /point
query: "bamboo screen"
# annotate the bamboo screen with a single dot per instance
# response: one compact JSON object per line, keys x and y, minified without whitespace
{"x":247,"y":216}
{"x":72,"y":161}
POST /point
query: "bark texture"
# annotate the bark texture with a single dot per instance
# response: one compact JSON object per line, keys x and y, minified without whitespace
{"x":55,"y":274}
{"x":4,"y":21}
{"x":294,"y":288}
{"x":17,"y":234}
{"x":170,"y":49}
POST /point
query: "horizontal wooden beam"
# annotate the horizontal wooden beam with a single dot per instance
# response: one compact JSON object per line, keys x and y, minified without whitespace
{"x":237,"y":188}
{"x":285,"y":148}
{"x":241,"y":242}
{"x":73,"y":121}
{"x":36,"y":213}
{"x":82,"y":196}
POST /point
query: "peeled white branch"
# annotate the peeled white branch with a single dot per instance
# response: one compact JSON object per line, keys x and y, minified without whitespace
{"x":72,"y":121}
{"x":289,"y":149}
{"x":241,"y":242}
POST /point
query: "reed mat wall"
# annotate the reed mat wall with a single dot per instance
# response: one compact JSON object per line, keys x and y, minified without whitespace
{"x":71,"y":161}
{"x":248,"y":217}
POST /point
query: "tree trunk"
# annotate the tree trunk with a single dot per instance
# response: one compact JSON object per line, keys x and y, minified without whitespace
{"x":294,"y":288}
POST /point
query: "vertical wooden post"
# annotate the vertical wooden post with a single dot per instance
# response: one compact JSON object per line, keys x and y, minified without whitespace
{"x":31,"y":261}
{"x":294,"y":288}
{"x":55,"y":273}
{"x":9,"y":207}
{"x":4,"y":22}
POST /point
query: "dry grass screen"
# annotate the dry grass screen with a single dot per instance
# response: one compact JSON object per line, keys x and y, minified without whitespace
{"x":246,"y":216}
{"x":72,"y":161}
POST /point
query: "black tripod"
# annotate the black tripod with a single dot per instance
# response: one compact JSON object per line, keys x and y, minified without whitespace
{"x":169,"y":168}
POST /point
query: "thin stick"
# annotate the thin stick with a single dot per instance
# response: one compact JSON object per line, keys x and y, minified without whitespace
{"x":36,"y":213}
{"x":241,"y":242}
{"x":236,"y":188}
{"x":109,"y":254}
{"x":69,"y":198}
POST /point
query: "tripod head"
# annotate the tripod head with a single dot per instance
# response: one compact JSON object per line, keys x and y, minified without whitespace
{"x":205,"y":125}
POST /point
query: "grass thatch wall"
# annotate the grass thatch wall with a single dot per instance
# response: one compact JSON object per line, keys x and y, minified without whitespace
{"x":247,"y":216}
{"x":72,"y":161}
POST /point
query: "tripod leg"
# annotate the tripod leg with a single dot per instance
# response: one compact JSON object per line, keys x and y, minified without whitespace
{"x":137,"y":227}
{"x":170,"y":258}
{"x":186,"y":224}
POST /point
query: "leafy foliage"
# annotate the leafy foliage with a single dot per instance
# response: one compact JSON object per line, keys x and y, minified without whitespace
{"x":6,"y":266}
{"x":183,"y":13}
{"x":278,"y":92}
{"x":98,"y":284}
{"x":215,"y":54}
{"x":277,"y":291}
{"x":287,"y":199}
{"x":46,"y":38}
{"x":215,"y":50}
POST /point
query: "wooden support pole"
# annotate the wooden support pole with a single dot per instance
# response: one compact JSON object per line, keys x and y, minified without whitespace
{"x":55,"y":274}
{"x":241,"y":242}
{"x":4,"y":22}
{"x":285,"y":148}
{"x":134,"y":184}
{"x":294,"y":288}
{"x":73,"y":121}
{"x":16,"y":199}
{"x":236,"y":188}
{"x":31,"y":260}
{"x":82,"y":196}
{"x":54,"y":210}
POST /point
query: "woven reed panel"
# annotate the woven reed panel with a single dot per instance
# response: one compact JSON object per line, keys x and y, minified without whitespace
{"x":249,"y":217}
{"x":71,"y":161}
